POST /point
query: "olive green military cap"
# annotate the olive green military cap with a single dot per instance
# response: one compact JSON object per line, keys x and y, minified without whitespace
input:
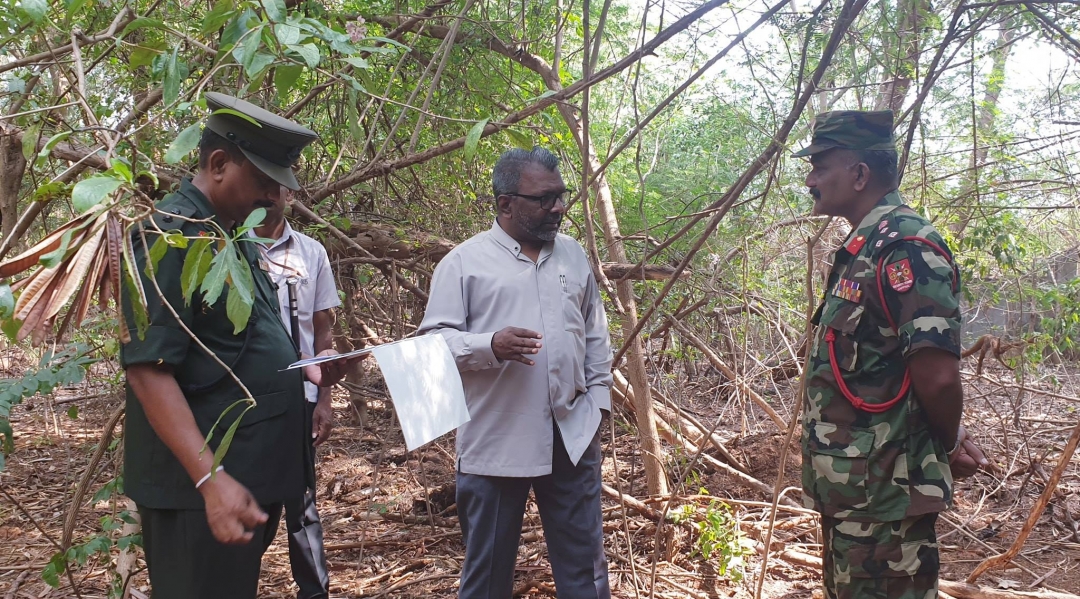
{"x":272,"y":143}
{"x":851,"y":130}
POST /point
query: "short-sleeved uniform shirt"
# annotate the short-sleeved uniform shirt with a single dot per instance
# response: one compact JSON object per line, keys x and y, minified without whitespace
{"x":267,"y":454}
{"x":858,"y":464}
{"x":299,"y":258}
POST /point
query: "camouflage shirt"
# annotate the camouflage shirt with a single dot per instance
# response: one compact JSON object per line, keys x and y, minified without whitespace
{"x":857,"y":464}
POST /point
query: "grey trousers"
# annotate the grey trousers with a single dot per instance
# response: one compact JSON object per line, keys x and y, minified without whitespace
{"x":491,"y":510}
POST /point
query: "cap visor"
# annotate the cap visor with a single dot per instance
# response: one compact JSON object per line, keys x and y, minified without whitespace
{"x":813,"y":149}
{"x":281,"y":174}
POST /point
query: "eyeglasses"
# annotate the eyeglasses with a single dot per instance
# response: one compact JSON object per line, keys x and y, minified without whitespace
{"x":547,"y":202}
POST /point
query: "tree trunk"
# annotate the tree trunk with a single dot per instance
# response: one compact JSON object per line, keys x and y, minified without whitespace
{"x":12,"y":168}
{"x":897,"y":80}
{"x":983,"y":125}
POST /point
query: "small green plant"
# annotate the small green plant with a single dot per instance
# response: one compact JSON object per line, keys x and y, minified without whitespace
{"x":53,"y":370}
{"x":719,"y":536}
{"x":100,"y":544}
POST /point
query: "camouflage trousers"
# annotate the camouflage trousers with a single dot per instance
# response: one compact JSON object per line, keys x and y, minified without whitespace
{"x":880,"y":560}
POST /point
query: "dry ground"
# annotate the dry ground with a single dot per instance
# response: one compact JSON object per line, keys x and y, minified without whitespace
{"x":382,"y":541}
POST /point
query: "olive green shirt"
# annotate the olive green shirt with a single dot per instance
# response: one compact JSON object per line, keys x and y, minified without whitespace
{"x":268,"y":451}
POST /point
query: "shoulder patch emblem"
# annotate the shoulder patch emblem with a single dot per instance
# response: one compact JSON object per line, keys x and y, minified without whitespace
{"x":855,"y":244}
{"x":900,"y":277}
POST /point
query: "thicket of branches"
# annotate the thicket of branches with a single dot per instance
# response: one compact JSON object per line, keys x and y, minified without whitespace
{"x":674,"y":120}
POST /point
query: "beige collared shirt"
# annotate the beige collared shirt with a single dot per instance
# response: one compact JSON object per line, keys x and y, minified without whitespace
{"x":486,"y":284}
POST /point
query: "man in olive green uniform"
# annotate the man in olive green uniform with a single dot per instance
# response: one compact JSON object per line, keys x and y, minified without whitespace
{"x":882,"y":439}
{"x":204,"y":533}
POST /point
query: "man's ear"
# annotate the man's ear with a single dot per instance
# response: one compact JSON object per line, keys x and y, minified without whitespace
{"x":862,"y":176}
{"x":216,"y":164}
{"x":502,"y":205}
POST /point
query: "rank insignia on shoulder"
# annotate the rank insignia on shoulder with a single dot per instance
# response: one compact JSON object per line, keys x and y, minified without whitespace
{"x":846,"y":289}
{"x":900,"y":277}
{"x":264,"y":265}
{"x":893,"y":234}
{"x":855,"y":244}
{"x":879,"y":242}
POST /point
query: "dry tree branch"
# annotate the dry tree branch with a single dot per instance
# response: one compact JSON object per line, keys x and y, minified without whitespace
{"x":850,"y":10}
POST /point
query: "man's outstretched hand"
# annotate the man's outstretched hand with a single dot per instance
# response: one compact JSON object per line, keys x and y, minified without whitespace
{"x":513,"y":343}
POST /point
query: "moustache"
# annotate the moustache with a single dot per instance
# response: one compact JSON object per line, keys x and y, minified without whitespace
{"x":816,"y":194}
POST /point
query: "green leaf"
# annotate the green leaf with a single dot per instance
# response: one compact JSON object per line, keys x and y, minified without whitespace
{"x":143,"y":55}
{"x":214,"y":281}
{"x":11,"y":328}
{"x":356,"y":61}
{"x":56,"y":566}
{"x":286,"y":34}
{"x":120,"y":170}
{"x":73,"y":412}
{"x":196,"y":264}
{"x":218,"y":16}
{"x":308,"y":52}
{"x":176,"y":239}
{"x":91,"y":191}
{"x":127,"y":541}
{"x":141,"y":22}
{"x":226,"y":441}
{"x":35,"y":9}
{"x":353,"y":117}
{"x":54,"y":257}
{"x":171,"y":85}
{"x":7,"y":301}
{"x":138,"y":310}
{"x":30,"y":140}
{"x":472,"y":140}
{"x":184,"y":143}
{"x":519,"y":139}
{"x":49,"y":145}
{"x":275,"y":10}
{"x":245,"y":50}
{"x":285,"y":76}
{"x":49,"y":191}
{"x":238,"y":310}
{"x":239,"y":114}
{"x":391,"y":42}
{"x":253,"y":220}
{"x":157,"y":252}
{"x":258,"y":64}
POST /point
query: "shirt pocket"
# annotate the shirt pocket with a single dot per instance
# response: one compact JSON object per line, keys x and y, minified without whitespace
{"x":843,"y":317}
{"x":573,"y":295}
{"x":839,"y":457}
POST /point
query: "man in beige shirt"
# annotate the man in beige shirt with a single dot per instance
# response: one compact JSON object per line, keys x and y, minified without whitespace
{"x":520,"y":309}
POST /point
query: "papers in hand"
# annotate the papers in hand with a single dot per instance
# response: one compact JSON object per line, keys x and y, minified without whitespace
{"x":321,"y":359}
{"x":424,"y":384}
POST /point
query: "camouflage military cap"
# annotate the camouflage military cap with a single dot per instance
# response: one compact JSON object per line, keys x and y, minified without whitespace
{"x":851,"y":130}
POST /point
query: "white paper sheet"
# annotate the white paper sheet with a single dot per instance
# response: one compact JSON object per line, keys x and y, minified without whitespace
{"x":425,"y":385}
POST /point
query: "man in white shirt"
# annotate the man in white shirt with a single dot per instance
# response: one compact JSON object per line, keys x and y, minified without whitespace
{"x":521,"y":311}
{"x":298,"y":265}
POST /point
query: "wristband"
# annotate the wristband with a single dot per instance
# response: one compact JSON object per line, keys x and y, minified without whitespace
{"x":207,"y":476}
{"x":955,"y":448}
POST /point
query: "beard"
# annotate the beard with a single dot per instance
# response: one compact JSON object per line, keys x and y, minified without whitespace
{"x":546,"y":229}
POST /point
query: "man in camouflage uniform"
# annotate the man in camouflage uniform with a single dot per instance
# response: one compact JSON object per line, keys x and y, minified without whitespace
{"x":882,"y":439}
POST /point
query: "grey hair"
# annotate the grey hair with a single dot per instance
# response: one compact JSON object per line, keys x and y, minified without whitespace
{"x":507,"y":172}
